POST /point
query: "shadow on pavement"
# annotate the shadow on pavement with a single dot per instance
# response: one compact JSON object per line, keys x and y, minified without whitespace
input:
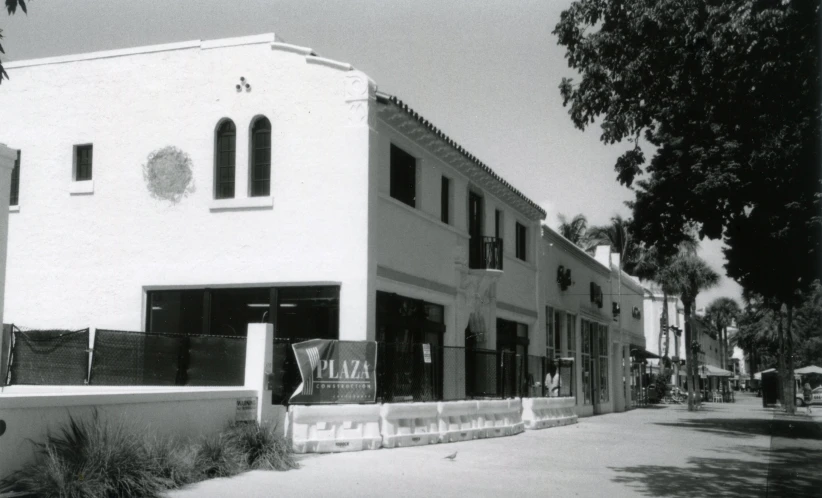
{"x":792,"y":429}
{"x":701,"y":477}
{"x":790,"y":473}
{"x":790,"y":466}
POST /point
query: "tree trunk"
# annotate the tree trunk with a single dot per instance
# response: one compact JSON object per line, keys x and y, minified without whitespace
{"x":790,"y":396}
{"x":782,"y":373}
{"x":691,"y":359}
{"x":667,"y":329}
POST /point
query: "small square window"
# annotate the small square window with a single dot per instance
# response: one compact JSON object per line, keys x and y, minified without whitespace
{"x":521,"y":241}
{"x":403,"y":176}
{"x":82,"y":162}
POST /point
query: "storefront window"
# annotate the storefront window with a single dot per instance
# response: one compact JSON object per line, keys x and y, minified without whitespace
{"x":603,"y":364}
{"x":297,"y":312}
{"x":571,"y":346}
{"x":550,"y":333}
{"x":586,"y":362}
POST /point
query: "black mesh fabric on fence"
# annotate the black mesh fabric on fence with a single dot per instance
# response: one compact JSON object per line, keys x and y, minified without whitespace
{"x":215,"y":361}
{"x":137,"y":358}
{"x":126,"y":358}
{"x":49,"y":357}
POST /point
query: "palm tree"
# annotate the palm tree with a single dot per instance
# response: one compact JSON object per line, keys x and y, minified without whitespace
{"x":722,"y":312}
{"x":687,"y":275}
{"x":575,"y":229}
{"x":616,"y":235}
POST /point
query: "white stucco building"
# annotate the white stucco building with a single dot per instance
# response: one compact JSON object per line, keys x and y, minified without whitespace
{"x":199,"y":186}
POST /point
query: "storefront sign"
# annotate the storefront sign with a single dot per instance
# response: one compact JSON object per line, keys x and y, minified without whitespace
{"x":336,"y":371}
{"x":426,"y":353}
{"x":246,"y":410}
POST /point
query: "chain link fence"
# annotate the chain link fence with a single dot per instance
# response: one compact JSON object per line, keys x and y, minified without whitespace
{"x":49,"y":357}
{"x":405,"y":371}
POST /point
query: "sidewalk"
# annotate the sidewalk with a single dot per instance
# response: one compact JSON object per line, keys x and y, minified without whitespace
{"x":722,"y":450}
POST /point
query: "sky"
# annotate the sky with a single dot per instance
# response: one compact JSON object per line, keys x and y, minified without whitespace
{"x":486,"y":72}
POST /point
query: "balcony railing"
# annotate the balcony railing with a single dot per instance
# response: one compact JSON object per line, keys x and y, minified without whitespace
{"x":485,"y":253}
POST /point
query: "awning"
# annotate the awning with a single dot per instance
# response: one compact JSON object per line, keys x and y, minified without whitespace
{"x":758,"y":375}
{"x":712,"y":371}
{"x":641,"y":353}
{"x":811,"y":369}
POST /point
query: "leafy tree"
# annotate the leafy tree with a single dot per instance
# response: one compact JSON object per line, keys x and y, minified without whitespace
{"x":687,"y":275}
{"x":721,"y":313}
{"x":11,"y":8}
{"x":727,"y":94}
{"x":575,"y":229}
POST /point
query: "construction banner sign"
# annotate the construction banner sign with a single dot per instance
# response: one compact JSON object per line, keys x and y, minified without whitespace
{"x":336,"y":371}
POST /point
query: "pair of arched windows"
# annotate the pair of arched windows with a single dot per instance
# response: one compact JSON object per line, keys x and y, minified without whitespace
{"x":259,"y":180}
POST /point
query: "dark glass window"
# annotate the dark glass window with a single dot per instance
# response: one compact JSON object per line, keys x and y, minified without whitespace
{"x":308,"y":312}
{"x":403,"y":176}
{"x":521,"y":241}
{"x":233,"y":309}
{"x":226,"y":147}
{"x":498,"y":223}
{"x":296,"y":312}
{"x":445,"y":200}
{"x":176,"y":312}
{"x":82,"y":162}
{"x":14,"y":196}
{"x":261,"y":158}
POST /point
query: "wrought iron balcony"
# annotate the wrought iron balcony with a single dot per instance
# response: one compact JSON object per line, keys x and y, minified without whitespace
{"x":485,"y":253}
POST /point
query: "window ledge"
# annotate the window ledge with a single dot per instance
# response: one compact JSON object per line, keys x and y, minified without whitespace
{"x":14,"y":209}
{"x":241,"y":203}
{"x":82,"y":187}
{"x":520,"y":262}
{"x":423,"y":215}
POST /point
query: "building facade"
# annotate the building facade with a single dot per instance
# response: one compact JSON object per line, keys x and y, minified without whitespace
{"x":197,"y":187}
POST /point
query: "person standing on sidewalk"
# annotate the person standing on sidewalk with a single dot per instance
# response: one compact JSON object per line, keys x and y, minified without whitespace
{"x":808,"y":395}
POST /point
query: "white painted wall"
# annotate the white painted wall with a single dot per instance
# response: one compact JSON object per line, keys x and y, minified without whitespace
{"x":7,"y":158}
{"x":180,"y":413}
{"x":557,"y":251}
{"x":85,"y":260}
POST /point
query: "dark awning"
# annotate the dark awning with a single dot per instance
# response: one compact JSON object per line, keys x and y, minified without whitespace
{"x":641,"y":353}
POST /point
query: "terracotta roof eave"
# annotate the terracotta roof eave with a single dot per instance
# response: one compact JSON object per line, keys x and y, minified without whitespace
{"x":385,"y":98}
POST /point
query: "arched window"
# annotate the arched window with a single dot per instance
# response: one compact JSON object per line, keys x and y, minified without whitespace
{"x":261,"y":157}
{"x":226,"y":145}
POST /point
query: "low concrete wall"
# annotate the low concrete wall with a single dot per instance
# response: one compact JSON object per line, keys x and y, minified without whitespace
{"x":29,"y":413}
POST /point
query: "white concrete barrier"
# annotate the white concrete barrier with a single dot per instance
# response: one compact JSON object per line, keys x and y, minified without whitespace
{"x":458,"y":421}
{"x":540,"y":413}
{"x":500,"y":417}
{"x":409,"y":424}
{"x":334,"y":428}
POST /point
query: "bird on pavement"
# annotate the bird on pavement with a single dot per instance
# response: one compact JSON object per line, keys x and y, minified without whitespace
{"x":452,"y":456}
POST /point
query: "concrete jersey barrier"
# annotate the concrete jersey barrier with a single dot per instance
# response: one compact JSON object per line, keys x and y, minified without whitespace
{"x":541,"y":413}
{"x":499,"y":417}
{"x":458,"y":421}
{"x":409,"y":424}
{"x":334,"y":428}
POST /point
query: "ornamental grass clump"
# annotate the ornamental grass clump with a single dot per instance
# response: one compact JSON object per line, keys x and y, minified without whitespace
{"x":90,"y":458}
{"x":215,"y":457}
{"x":262,"y":446}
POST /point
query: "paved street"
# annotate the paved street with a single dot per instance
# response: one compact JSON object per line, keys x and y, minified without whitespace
{"x":732,"y":450}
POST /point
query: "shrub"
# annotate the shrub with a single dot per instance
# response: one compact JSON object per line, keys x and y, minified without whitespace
{"x":89,"y":459}
{"x":216,"y":458}
{"x":95,"y":458}
{"x":173,"y":462}
{"x":261,"y":446}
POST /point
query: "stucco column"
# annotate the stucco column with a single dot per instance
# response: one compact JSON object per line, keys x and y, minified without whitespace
{"x":7,"y":158}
